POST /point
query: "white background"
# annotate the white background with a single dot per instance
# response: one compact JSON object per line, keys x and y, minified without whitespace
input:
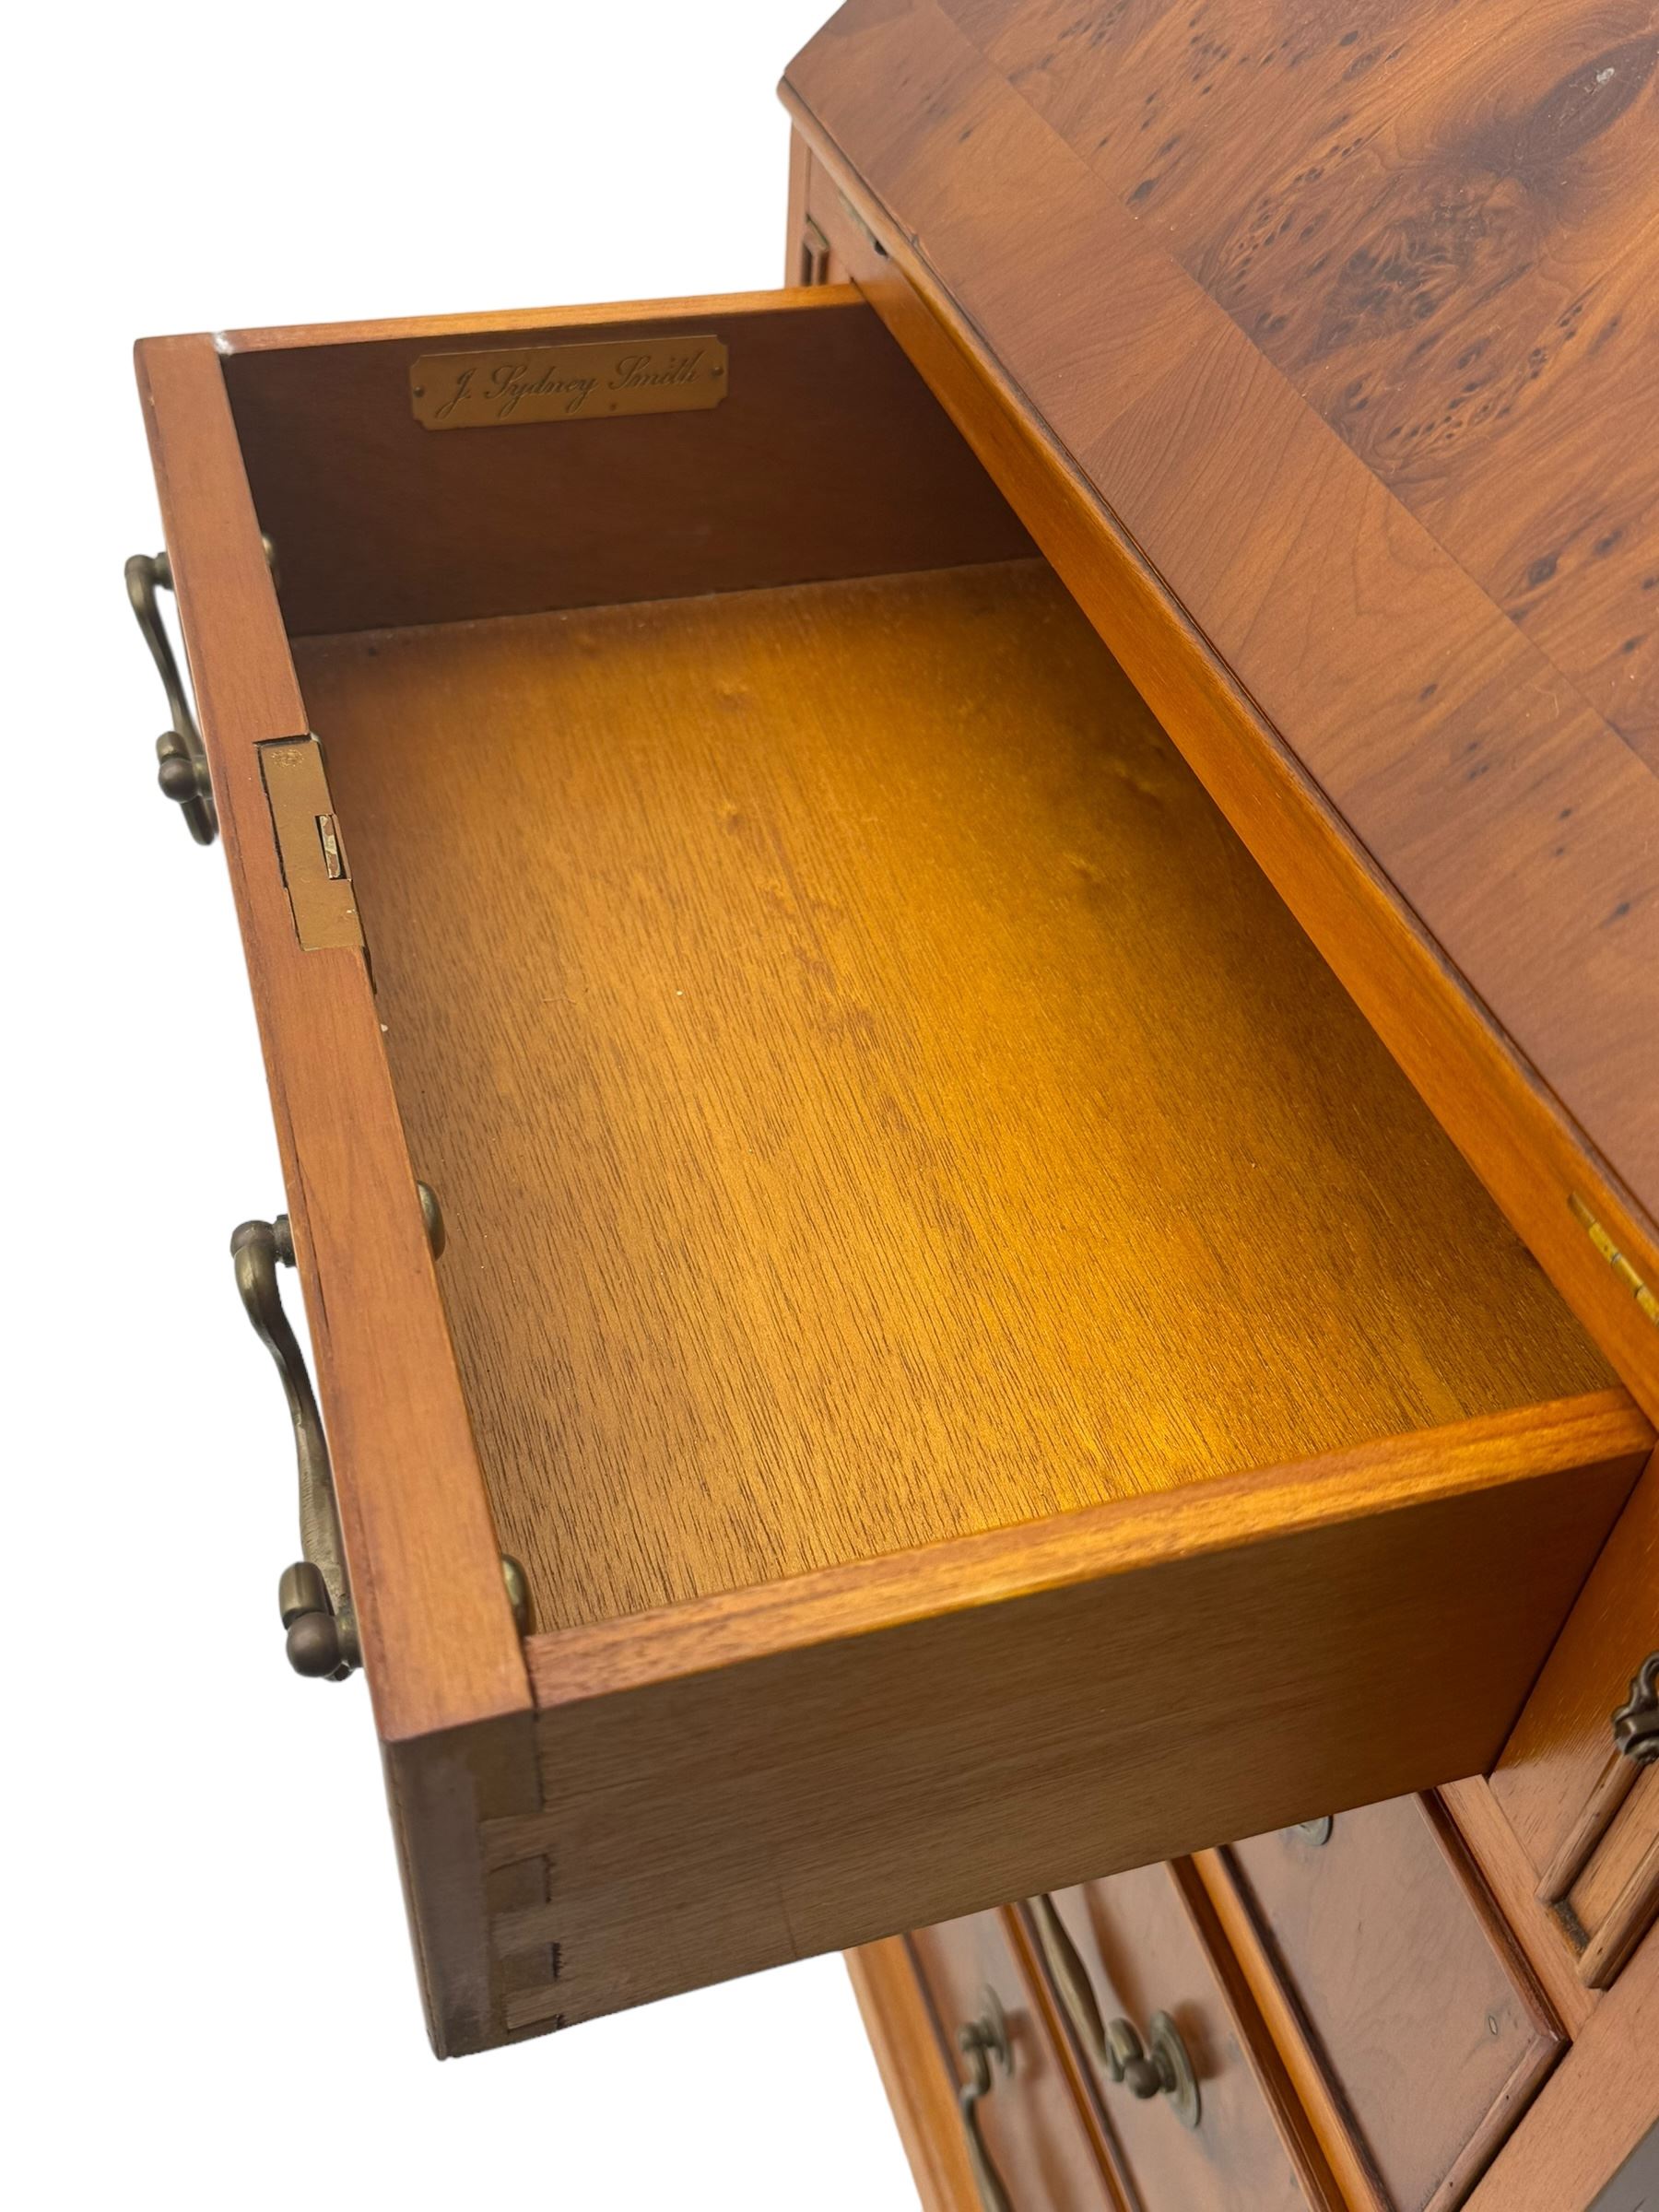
{"x":208,"y":1988}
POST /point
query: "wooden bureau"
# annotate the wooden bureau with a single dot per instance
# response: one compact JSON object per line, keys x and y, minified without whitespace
{"x":960,"y":970}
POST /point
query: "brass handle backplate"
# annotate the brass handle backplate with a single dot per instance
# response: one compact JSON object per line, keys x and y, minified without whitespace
{"x":315,"y":1594}
{"x":1159,"y":2067}
{"x":182,"y":757}
{"x":983,"y":2041}
{"x":1636,"y":1724}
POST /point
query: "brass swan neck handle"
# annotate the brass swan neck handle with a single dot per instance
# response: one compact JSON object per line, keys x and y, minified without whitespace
{"x":1160,"y":2066}
{"x":314,"y":1594}
{"x":983,"y":2041}
{"x":181,"y":758}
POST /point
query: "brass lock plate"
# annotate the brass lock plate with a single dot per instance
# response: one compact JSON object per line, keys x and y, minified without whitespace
{"x":309,"y":844}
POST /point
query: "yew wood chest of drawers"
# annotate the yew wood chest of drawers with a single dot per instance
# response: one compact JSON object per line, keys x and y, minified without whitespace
{"x":963,"y":1027}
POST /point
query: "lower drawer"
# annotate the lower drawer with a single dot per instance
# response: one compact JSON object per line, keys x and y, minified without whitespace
{"x":1199,"y":2106}
{"x":1029,"y":2146}
{"x":1579,"y":1779}
{"x":1400,"y":2003}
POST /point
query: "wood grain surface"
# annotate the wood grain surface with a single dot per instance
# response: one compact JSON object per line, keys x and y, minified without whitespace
{"x":873,"y":1096}
{"x":1528,"y":1150}
{"x":1601,"y":2103}
{"x":819,"y":1762}
{"x":1327,"y":2116}
{"x":439,"y":1642}
{"x":1400,"y":626}
{"x":444,"y":1660}
{"x":828,"y":457}
{"x":1442,"y":227}
{"x":1512,"y":1880}
{"x":1406,"y":1994}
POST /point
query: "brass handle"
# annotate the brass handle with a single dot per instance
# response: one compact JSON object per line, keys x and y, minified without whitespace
{"x":1159,"y":2067}
{"x":1070,"y":1977}
{"x":980,"y":2042}
{"x":1636,"y":1724}
{"x":315,"y":1594}
{"x":182,"y":769}
{"x":181,"y":758}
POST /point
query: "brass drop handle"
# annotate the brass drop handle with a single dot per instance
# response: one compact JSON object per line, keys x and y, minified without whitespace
{"x":1070,"y":1977}
{"x":982,"y":2042}
{"x":315,"y":1594}
{"x":1636,"y":1724}
{"x":1159,"y":2068}
{"x":182,"y":757}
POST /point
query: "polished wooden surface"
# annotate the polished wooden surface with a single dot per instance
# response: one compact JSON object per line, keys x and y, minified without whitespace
{"x":786,"y":1770}
{"x":438,"y":1643}
{"x":1443,"y":233}
{"x":1512,"y":1880}
{"x":1500,"y":805}
{"x":1481,"y":1089}
{"x":1592,"y":2114}
{"x":441,"y":1651}
{"x":1142,"y":1939}
{"x":873,"y":1096}
{"x":1327,"y":2115}
{"x":828,"y":457}
{"x":1413,"y":2004}
{"x":1042,"y":2141}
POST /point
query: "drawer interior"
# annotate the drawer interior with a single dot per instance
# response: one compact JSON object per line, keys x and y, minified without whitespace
{"x":873,"y":1096}
{"x":993,"y":1375}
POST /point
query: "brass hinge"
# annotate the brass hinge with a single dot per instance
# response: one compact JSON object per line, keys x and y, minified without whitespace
{"x":1645,"y":1299}
{"x":309,"y":844}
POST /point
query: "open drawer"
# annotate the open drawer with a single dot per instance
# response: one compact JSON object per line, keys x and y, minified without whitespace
{"x":990,"y":1373}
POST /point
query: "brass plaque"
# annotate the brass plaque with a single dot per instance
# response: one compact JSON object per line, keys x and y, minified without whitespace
{"x":586,"y":383}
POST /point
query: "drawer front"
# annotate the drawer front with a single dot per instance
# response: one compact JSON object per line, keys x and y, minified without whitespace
{"x":1154,"y":1968}
{"x":1584,"y":1810}
{"x":1402,"y":1995}
{"x":1039,"y":2146}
